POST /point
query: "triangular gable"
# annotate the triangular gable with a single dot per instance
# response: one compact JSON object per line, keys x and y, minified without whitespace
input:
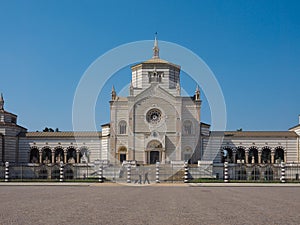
{"x":156,"y":91}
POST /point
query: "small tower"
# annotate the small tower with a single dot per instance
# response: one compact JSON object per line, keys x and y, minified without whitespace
{"x":1,"y":102}
{"x":197,"y":94}
{"x":178,"y":88}
{"x":113,"y":94}
{"x":131,"y":88}
{"x":155,"y":48}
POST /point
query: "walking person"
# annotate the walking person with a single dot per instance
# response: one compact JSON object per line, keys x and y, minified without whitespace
{"x":146,"y":178}
{"x":139,"y":179}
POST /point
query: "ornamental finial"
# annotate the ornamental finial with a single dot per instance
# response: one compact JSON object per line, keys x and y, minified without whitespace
{"x":1,"y":102}
{"x":155,"y":48}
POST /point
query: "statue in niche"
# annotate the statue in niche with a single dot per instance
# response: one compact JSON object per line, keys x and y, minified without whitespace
{"x":71,"y":160}
{"x":84,"y":158}
{"x":58,"y":158}
{"x":46,"y":161}
{"x":34,"y":159}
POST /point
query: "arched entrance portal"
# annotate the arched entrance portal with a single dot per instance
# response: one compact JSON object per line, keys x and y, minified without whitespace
{"x":154,"y":152}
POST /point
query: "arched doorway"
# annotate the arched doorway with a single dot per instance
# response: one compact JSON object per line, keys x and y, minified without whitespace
{"x":122,"y":154}
{"x":154,"y":157}
{"x":153,"y":152}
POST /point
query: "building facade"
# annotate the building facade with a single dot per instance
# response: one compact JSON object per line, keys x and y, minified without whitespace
{"x":155,"y":123}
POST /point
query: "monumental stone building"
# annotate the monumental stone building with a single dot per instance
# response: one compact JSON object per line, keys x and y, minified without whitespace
{"x":155,"y":123}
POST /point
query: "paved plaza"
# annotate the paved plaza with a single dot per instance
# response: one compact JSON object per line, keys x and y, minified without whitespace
{"x":164,"y":204}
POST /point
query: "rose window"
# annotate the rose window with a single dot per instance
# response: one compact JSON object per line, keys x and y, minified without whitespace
{"x":154,"y":116}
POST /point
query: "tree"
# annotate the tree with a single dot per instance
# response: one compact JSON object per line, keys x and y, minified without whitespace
{"x":50,"y":129}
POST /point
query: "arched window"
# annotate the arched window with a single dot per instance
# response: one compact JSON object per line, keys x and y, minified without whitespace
{"x":122,"y":127}
{"x":187,"y":127}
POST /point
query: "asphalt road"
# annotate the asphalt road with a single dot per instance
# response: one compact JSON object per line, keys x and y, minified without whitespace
{"x":149,"y":205}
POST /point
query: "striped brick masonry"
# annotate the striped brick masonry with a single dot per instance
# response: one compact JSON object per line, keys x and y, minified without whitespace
{"x":129,"y":174}
{"x":282,"y":172}
{"x":157,"y":173}
{"x":61,"y":175}
{"x":226,"y":177}
{"x":186,"y":173}
{"x":6,"y":171}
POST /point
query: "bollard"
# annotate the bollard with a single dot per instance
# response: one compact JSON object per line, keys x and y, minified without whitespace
{"x":226,"y":172}
{"x":282,"y":172}
{"x":100,"y":173}
{"x":186,"y":173}
{"x":6,"y":171}
{"x":61,"y":171}
{"x":129,"y":174}
{"x":157,"y":173}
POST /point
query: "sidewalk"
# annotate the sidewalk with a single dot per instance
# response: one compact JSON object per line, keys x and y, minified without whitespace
{"x":244,"y":184}
{"x":148,"y":185}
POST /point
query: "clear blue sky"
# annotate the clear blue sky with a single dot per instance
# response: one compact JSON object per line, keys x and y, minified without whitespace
{"x":253,"y":48}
